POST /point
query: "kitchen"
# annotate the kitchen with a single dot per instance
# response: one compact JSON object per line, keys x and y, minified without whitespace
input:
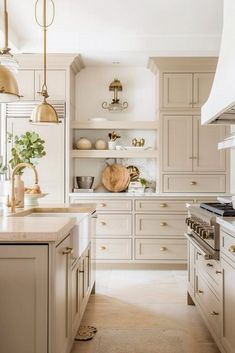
{"x":116,"y":177}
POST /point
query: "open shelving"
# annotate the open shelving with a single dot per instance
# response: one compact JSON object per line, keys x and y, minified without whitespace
{"x":114,"y":154}
{"x":115,"y":125}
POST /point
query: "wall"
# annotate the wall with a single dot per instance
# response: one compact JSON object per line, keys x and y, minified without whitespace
{"x":232,"y":166}
{"x":92,"y":88}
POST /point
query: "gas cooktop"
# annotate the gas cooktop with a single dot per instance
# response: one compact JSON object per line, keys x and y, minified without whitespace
{"x":221,"y":209}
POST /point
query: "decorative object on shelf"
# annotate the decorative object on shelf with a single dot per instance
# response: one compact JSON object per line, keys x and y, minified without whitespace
{"x":115,"y":106}
{"x":9,"y":91}
{"x":32,"y":199}
{"x":115,"y":178}
{"x":136,"y":187}
{"x":134,"y":173}
{"x":85,"y":333}
{"x":100,"y":144}
{"x":113,"y":136}
{"x":83,"y":144}
{"x":133,"y":148}
{"x":44,"y":113}
{"x":138,"y":143}
{"x":84,"y":182}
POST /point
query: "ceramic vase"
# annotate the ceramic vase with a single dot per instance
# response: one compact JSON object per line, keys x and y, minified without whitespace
{"x":112,"y":145}
{"x":19,"y":191}
{"x":83,"y":144}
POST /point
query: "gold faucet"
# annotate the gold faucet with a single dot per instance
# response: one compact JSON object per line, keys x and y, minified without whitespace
{"x":17,"y":167}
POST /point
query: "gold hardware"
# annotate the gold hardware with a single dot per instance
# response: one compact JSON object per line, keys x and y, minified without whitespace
{"x":163,"y":205}
{"x":217,"y":272}
{"x":192,"y":157}
{"x":214,"y":313}
{"x":115,"y":87}
{"x":163,"y":224}
{"x":193,"y":183}
{"x":138,"y":143}
{"x":231,"y":249}
{"x":209,"y":265}
{"x":17,"y":167}
{"x":68,"y":251}
{"x":81,"y":271}
{"x":103,"y":247}
{"x":198,"y":253}
{"x":44,"y":112}
{"x":163,"y":248}
{"x":103,"y":223}
{"x":103,"y":205}
{"x":200,"y":291}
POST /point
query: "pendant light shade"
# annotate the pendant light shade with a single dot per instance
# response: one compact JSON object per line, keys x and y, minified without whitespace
{"x":44,"y":113}
{"x":9,"y":91}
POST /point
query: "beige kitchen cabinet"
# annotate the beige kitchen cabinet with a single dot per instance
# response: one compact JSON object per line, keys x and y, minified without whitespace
{"x":159,"y":225}
{"x":113,"y":249}
{"x":75,"y":300}
{"x":190,"y":147}
{"x":56,"y":84}
{"x":191,"y":269}
{"x":113,"y":224}
{"x":186,"y":90}
{"x":23,"y":298}
{"x":26,"y":84}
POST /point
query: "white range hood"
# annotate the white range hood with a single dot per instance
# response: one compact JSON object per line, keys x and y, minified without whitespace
{"x":220,"y":106}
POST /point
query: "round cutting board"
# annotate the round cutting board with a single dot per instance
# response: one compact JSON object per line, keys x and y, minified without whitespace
{"x":115,"y":178}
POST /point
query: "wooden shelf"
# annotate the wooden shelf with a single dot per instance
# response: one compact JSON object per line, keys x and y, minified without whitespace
{"x":117,"y":125}
{"x":113,"y":154}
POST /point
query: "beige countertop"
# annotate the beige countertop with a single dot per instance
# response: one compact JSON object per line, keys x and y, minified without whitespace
{"x":227,"y":222}
{"x":19,"y":228}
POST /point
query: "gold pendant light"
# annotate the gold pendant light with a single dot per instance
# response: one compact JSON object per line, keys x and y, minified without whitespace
{"x":44,"y":113}
{"x":9,"y":91}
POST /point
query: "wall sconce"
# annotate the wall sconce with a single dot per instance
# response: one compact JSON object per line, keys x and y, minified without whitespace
{"x":115,"y":105}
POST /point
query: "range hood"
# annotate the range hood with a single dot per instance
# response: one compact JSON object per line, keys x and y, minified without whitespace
{"x":220,"y":106}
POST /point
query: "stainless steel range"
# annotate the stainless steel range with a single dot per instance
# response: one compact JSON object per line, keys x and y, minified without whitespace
{"x":203,"y":231}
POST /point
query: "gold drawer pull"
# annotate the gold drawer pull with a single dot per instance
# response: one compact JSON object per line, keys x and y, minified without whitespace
{"x":193,"y":183}
{"x":67,"y":251}
{"x":209,"y":265}
{"x":163,"y":205}
{"x":163,"y":224}
{"x":231,"y":248}
{"x":192,"y":157}
{"x":163,"y":248}
{"x":103,"y":247}
{"x":103,"y":205}
{"x":214,"y":313}
{"x":200,"y":291}
{"x":103,"y":223}
{"x":218,"y":272}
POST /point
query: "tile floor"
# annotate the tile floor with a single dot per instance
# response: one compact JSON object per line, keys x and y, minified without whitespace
{"x":144,"y":311}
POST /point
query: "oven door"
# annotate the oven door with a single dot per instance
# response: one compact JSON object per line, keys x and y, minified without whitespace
{"x":206,"y":251}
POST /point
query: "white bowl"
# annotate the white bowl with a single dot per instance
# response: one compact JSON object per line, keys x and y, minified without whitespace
{"x":32,"y":199}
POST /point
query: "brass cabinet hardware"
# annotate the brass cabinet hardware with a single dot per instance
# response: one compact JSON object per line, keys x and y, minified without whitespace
{"x":103,"y":205}
{"x":231,"y":248}
{"x":214,"y":313}
{"x":81,"y":271}
{"x":200,"y":291}
{"x":163,"y":224}
{"x":103,"y":247}
{"x":103,"y":223}
{"x":193,"y":183}
{"x":163,"y":205}
{"x":209,"y":265}
{"x":192,"y":157}
{"x":198,"y":253}
{"x":163,"y":248}
{"x":217,"y":272}
{"x":67,"y":251}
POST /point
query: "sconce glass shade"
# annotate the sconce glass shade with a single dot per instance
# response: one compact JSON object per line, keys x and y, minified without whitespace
{"x":115,"y":106}
{"x":44,"y":113}
{"x":9,"y":61}
{"x":9,"y":91}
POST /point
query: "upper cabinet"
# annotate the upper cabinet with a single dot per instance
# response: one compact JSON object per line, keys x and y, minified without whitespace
{"x":185,"y":90}
{"x":30,"y":83}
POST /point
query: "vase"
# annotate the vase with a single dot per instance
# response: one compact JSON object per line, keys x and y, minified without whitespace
{"x":112,"y":145}
{"x":19,"y":191}
{"x":100,"y":144}
{"x":83,"y":144}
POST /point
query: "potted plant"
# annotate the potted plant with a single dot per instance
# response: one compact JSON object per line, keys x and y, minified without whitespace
{"x":27,"y":148}
{"x":113,"y":136}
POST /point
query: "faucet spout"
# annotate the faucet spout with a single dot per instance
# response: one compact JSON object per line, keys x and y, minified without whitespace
{"x":15,"y":170}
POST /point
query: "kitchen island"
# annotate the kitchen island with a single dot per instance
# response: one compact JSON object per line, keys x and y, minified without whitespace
{"x":46,"y":276}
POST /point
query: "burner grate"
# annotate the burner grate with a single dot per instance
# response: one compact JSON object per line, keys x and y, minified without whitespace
{"x":220,"y":209}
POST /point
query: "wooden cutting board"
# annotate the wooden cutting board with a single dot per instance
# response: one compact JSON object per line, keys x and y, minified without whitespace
{"x":115,"y":178}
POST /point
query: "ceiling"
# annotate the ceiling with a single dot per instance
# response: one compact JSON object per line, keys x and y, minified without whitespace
{"x":127,"y":31}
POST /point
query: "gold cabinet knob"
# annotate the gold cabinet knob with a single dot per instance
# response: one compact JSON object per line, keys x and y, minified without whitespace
{"x":103,"y":247}
{"x":67,"y":251}
{"x":209,"y":265}
{"x":163,"y":248}
{"x":231,"y":248}
{"x":218,"y":272}
{"x":103,"y":205}
{"x":163,"y":205}
{"x":193,"y":183}
{"x":163,"y":224}
{"x":214,"y":313}
{"x":103,"y":223}
{"x":200,"y":291}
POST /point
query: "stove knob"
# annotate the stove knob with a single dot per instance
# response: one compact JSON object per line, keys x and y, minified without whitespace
{"x":195,"y":225}
{"x":198,"y":229}
{"x":203,"y":234}
{"x":187,"y":220}
{"x":209,"y":234}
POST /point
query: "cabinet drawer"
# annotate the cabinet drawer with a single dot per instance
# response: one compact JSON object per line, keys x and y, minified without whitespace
{"x":107,"y":205}
{"x":113,"y":224}
{"x":194,"y":183}
{"x":160,"y":249}
{"x":152,"y":224}
{"x":228,"y":245}
{"x":209,"y":303}
{"x":212,"y":270}
{"x":113,"y":249}
{"x":161,"y":205}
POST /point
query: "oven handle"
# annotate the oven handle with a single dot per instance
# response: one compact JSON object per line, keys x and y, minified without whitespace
{"x":204,"y":253}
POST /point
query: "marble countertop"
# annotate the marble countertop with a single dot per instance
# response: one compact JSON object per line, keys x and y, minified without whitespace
{"x":18,"y":227}
{"x":227,"y":222}
{"x":94,"y":195}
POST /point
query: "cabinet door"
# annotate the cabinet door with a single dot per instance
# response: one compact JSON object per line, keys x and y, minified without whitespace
{"x":25,"y":79}
{"x":62,"y":284}
{"x":82,"y":285}
{"x":177,"y":143}
{"x":75,"y":304}
{"x":228,"y":337}
{"x":23,"y":298}
{"x":56,"y":84}
{"x":206,"y":156}
{"x":191,"y":268}
{"x":202,"y":83}
{"x":177,"y":90}
{"x":88,"y":271}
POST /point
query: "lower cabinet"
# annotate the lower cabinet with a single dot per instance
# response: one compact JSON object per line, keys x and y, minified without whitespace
{"x":113,"y":249}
